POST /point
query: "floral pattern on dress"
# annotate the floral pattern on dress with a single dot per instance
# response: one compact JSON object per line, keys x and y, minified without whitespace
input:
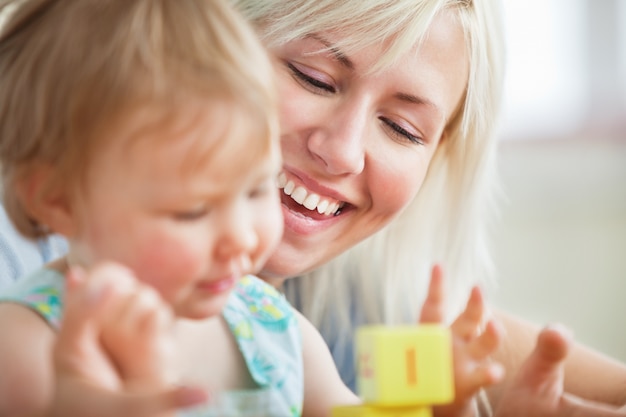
{"x":266,"y":330}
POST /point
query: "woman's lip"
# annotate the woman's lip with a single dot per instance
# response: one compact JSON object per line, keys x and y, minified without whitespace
{"x":312,"y":185}
{"x":305,"y":222}
{"x":218,"y":286}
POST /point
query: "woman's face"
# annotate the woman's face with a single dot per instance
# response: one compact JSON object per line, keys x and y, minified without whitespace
{"x":356,"y":146}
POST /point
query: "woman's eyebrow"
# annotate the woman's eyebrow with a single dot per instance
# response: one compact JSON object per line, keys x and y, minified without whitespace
{"x":339,"y":56}
{"x":413,"y":99}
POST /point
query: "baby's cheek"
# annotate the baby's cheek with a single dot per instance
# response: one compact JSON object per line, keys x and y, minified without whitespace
{"x":168,"y":265}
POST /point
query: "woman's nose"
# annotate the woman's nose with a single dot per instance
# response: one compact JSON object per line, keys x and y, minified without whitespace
{"x":339,"y":141}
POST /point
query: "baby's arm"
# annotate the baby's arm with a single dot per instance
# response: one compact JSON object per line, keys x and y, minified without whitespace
{"x":474,"y":340}
{"x":323,"y":387}
{"x":26,"y":373}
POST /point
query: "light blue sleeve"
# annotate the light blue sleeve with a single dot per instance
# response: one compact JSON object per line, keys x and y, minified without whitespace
{"x":19,"y":256}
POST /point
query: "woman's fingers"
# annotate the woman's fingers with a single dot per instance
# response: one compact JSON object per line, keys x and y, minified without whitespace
{"x":487,"y":342}
{"x":469,"y":323}
{"x":433,"y":309}
{"x":544,"y":366}
{"x":537,"y":389}
{"x":475,"y":368}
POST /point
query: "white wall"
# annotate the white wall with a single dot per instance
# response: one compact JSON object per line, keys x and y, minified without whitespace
{"x":560,"y":246}
{"x":561,"y":242}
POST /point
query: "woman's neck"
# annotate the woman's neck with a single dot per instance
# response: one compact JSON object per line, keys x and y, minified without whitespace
{"x":276,"y":282}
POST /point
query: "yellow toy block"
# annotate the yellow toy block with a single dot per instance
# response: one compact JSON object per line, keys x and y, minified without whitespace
{"x":404,"y":365}
{"x":374,"y":411}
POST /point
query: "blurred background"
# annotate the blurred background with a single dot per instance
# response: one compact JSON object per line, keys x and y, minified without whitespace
{"x":560,"y":244}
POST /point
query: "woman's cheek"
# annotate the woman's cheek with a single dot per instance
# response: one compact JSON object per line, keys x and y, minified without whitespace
{"x":396,"y":185}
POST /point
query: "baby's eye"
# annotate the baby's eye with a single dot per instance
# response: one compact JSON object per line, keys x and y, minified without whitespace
{"x":191,"y":215}
{"x":309,"y":82}
{"x":265,"y":187}
{"x":262,"y":189}
{"x":399,"y":132}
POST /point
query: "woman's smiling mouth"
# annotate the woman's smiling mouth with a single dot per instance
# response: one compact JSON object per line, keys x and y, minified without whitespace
{"x":308,"y":199}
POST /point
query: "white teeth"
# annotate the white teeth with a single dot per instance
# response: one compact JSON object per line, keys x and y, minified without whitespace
{"x":322,"y":206}
{"x":301,"y":196}
{"x":281,"y":181}
{"x":289,"y":187}
{"x":311,"y":201}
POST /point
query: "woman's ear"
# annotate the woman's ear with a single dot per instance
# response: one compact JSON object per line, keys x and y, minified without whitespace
{"x":46,"y":199}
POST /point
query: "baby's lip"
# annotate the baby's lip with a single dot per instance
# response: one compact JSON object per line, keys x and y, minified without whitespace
{"x":218,"y":285}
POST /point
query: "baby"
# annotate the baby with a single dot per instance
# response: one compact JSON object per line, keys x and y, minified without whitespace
{"x":146,"y":133}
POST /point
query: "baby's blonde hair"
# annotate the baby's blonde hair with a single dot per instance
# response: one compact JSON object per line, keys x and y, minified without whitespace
{"x":70,"y":69}
{"x":386,"y":275}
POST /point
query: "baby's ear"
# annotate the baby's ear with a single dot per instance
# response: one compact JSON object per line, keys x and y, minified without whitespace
{"x":47,"y":199}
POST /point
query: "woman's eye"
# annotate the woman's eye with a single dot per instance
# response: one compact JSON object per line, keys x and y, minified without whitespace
{"x":311,"y":82}
{"x":191,"y":215}
{"x":400,"y":132}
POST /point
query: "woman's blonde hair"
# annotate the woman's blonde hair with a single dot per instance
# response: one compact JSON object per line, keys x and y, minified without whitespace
{"x":385,"y":276}
{"x":69,"y":69}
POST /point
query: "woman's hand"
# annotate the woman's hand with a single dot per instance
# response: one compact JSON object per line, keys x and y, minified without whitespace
{"x":537,"y":388}
{"x":475,"y":338}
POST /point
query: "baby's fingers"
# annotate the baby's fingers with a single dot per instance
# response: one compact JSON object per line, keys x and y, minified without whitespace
{"x":85,"y":307}
{"x":95,"y":402}
{"x":77,"y":351}
{"x":142,"y":313}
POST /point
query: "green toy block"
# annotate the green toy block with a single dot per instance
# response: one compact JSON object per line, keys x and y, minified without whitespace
{"x":404,"y":365}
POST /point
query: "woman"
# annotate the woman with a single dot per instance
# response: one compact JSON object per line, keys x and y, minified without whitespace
{"x":388,"y":117}
{"x":389,"y":111}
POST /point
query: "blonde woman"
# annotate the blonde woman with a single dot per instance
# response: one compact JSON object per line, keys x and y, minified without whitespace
{"x":376,"y":123}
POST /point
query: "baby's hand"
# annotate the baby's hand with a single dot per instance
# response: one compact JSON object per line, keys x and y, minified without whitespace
{"x":137,"y":329}
{"x":132,"y":329}
{"x":472,"y":346}
{"x":88,"y":384}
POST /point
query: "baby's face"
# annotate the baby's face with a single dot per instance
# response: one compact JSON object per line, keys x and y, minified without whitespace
{"x":189,"y":208}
